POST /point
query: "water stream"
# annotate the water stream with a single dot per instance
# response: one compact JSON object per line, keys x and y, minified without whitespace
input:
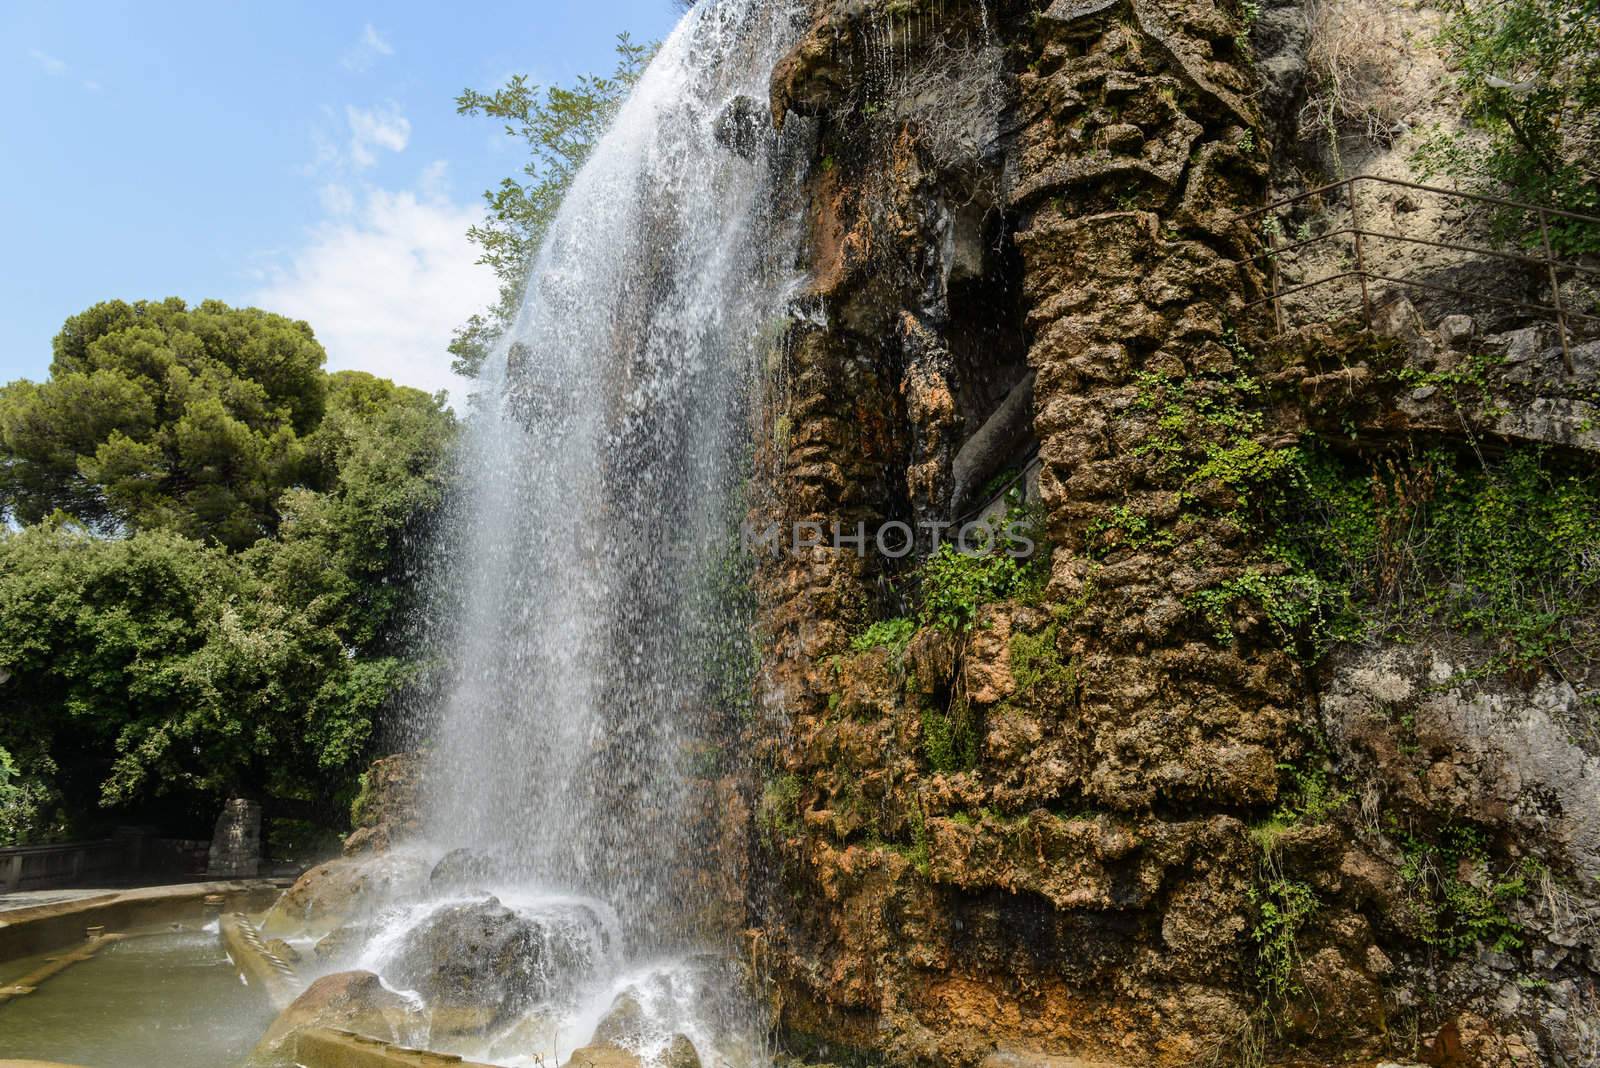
{"x":605,"y":453}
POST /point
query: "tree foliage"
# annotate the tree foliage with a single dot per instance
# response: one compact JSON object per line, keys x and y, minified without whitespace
{"x":1529,"y":71}
{"x":153,"y":642}
{"x":559,"y":127}
{"x":159,"y":416}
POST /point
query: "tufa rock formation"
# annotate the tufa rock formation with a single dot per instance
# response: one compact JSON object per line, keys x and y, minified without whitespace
{"x":1136,"y":812}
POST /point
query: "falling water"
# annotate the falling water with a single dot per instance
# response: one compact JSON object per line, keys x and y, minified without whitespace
{"x":604,"y":461}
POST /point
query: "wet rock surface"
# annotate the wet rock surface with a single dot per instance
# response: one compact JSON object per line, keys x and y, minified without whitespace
{"x":1087,"y":871}
{"x":389,"y":808}
{"x":353,"y":1001}
{"x":348,"y":888}
{"x":463,"y":869}
{"x":482,"y":957}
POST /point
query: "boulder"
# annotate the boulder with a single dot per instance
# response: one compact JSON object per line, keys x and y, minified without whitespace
{"x":352,"y":1001}
{"x":331,"y":894}
{"x":342,"y":942}
{"x":483,"y":956}
{"x":681,"y":1053}
{"x":463,"y":869}
{"x":743,"y":126}
{"x":623,"y":1024}
{"x":525,"y":1038}
{"x":604,"y":1057}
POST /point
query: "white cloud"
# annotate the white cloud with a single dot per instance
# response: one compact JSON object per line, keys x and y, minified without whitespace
{"x":92,"y":86}
{"x":367,"y":50}
{"x":50,"y":64}
{"x":337,"y":199}
{"x":386,"y":286}
{"x":376,"y":128}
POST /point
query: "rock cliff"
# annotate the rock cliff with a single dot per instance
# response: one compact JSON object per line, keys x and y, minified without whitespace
{"x":1142,"y":802}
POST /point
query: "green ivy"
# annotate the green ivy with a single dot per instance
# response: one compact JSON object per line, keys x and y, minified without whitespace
{"x":892,"y":634}
{"x":1458,"y":899}
{"x":1502,"y":549}
{"x":1283,"y":907}
{"x":954,"y":585}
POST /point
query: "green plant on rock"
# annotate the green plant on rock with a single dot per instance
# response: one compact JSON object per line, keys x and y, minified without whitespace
{"x":919,"y":854}
{"x":1529,"y":75}
{"x":954,"y":585}
{"x":1121,"y":527}
{"x":1283,"y":908}
{"x":1309,"y":796}
{"x":950,"y":738}
{"x":1457,"y":897}
{"x":1499,"y":548}
{"x":1036,"y":662}
{"x":891,"y":634}
{"x":778,"y":813}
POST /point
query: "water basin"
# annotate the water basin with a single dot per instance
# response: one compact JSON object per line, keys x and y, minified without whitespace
{"x":161,"y":998}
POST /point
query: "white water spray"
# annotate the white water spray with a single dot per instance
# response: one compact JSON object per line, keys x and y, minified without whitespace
{"x":604,"y":459}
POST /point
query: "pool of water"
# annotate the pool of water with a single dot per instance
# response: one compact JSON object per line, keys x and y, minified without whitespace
{"x":163,"y":998}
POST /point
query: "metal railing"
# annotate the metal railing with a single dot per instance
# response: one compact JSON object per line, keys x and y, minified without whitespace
{"x":1360,"y":235}
{"x":50,"y":866}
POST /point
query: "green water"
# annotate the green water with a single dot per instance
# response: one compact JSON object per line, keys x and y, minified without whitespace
{"x":160,"y":1000}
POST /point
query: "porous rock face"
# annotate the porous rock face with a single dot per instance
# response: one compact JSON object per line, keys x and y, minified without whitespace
{"x":389,"y":809}
{"x":1001,"y":190}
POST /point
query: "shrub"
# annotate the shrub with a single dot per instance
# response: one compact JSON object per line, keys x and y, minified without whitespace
{"x":1529,"y":74}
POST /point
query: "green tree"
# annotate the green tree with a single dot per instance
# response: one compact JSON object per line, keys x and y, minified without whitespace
{"x":1529,"y":73}
{"x":560,"y":127}
{"x":161,"y":416}
{"x":22,"y":803}
{"x":144,"y":653}
{"x":344,"y":550}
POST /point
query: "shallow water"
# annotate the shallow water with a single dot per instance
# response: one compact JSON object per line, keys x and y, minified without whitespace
{"x":161,"y":999}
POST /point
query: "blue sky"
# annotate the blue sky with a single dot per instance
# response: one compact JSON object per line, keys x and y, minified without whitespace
{"x":303,"y":157}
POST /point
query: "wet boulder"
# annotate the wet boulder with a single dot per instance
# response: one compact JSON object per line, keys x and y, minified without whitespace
{"x":491,"y":962}
{"x":463,"y":869}
{"x":624,"y":1024}
{"x":389,"y":808}
{"x":334,"y":893}
{"x":681,"y":1053}
{"x":343,"y":943}
{"x":350,"y":1001}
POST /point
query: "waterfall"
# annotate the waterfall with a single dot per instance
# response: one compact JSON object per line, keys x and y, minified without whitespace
{"x":605,"y":453}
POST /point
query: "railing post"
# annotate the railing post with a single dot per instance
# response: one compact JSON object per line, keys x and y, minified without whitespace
{"x":1272,"y":259}
{"x":1361,"y":262}
{"x":1555,"y":293}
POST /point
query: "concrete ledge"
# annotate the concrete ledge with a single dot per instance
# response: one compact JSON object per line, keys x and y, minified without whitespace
{"x":323,"y":1047}
{"x":259,"y":965}
{"x":41,"y":928}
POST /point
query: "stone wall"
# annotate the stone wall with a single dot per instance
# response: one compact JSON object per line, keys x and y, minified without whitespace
{"x":236,"y":842}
